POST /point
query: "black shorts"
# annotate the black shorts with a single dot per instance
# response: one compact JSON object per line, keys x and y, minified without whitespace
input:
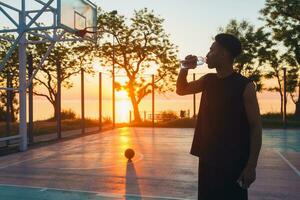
{"x":219,"y":183}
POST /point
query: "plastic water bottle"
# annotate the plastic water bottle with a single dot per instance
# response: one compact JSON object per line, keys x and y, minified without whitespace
{"x":200,"y":61}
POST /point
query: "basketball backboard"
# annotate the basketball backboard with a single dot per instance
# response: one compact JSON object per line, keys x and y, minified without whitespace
{"x":74,"y":15}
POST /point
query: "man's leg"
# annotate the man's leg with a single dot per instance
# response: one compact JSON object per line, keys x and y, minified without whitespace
{"x":205,"y":182}
{"x":235,"y":192}
{"x":230,"y":187}
{"x":215,"y":183}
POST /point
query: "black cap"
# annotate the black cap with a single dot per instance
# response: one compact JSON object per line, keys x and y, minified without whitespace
{"x":230,"y":42}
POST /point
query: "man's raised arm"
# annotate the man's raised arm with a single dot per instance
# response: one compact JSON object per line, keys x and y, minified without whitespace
{"x":183,"y":87}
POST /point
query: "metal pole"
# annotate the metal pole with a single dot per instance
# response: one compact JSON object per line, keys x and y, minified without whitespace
{"x":114,"y":13}
{"x":284,"y":99}
{"x":8,"y":106}
{"x":22,"y":79}
{"x":129,"y":116}
{"x":100,"y":101}
{"x":194,"y":98}
{"x":30,"y":100}
{"x":58,"y":98}
{"x":82,"y":102}
{"x":145,"y":116}
{"x":113,"y":85}
{"x":152,"y":100}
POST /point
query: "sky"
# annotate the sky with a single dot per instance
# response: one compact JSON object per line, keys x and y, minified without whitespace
{"x":191,"y":23}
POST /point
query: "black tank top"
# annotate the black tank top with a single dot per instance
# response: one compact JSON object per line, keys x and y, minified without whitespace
{"x":222,"y":133}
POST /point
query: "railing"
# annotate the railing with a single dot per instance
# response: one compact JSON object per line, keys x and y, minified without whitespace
{"x":161,"y":116}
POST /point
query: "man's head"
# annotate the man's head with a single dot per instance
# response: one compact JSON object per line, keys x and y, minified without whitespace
{"x":224,"y":50}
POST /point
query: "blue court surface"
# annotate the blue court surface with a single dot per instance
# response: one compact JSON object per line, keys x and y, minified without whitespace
{"x":94,"y":167}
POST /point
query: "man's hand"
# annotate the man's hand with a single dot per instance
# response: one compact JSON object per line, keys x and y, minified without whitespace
{"x":190,"y":62}
{"x":247,"y":177}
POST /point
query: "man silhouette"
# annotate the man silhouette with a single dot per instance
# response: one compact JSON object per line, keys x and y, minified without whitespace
{"x":227,"y":136}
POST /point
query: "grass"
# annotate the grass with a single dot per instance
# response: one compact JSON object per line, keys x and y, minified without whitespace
{"x":274,"y":120}
{"x":270,"y":120}
{"x":49,"y":126}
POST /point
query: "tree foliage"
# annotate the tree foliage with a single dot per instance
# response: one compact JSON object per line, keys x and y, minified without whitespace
{"x":11,"y":72}
{"x":256,"y":48}
{"x":283,"y":19}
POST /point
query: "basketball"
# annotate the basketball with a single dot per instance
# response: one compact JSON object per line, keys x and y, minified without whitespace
{"x":129,"y":154}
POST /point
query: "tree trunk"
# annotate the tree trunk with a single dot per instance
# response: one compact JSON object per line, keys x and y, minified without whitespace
{"x":12,"y":108}
{"x":135,"y":105}
{"x":297,"y":112}
{"x":8,"y":108}
{"x":281,"y":103}
{"x":136,"y":112}
{"x":54,"y":109}
{"x":281,"y":93}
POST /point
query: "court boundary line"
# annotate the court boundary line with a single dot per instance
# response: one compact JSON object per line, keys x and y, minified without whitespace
{"x":288,"y":163}
{"x":103,"y":194}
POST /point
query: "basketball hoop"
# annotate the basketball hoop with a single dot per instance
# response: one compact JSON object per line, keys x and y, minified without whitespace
{"x":82,"y":32}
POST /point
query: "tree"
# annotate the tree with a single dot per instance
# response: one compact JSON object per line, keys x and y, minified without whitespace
{"x":256,"y":48}
{"x":275,"y":72}
{"x":9,"y":77}
{"x":140,"y":46}
{"x":71,"y":56}
{"x":2,"y":114}
{"x":282,"y":16}
{"x":292,"y":78}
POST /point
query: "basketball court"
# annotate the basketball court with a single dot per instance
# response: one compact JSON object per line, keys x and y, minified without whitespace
{"x":94,"y":167}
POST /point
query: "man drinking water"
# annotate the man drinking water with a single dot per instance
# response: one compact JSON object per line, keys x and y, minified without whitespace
{"x":227,"y":136}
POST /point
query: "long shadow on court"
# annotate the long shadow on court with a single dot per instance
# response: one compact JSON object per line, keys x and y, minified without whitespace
{"x":132,"y":185}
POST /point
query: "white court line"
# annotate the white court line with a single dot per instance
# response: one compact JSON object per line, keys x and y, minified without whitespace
{"x":289,"y":163}
{"x":114,"y":195}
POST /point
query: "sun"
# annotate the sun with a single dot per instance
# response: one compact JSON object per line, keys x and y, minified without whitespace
{"x":121,"y":95}
{"x":123,"y":106}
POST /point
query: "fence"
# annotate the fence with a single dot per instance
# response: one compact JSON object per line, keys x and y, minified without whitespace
{"x":160,"y":116}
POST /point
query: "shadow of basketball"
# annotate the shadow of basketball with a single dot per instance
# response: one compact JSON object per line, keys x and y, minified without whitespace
{"x":132,"y":185}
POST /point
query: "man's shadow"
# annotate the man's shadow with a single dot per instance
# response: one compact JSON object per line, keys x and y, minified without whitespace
{"x":132,"y":185}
